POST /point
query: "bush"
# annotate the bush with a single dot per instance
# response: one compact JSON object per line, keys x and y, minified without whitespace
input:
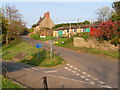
{"x":85,"y":35}
{"x":115,"y":41}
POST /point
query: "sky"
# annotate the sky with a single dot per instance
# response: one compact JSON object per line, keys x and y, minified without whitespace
{"x":60,"y":12}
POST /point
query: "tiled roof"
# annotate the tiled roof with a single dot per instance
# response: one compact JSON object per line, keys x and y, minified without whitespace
{"x":80,"y":26}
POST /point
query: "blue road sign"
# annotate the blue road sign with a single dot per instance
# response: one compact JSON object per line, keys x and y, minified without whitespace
{"x":38,"y":45}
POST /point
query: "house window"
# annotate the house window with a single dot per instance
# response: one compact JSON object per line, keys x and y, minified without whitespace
{"x":75,"y":30}
{"x":67,"y":30}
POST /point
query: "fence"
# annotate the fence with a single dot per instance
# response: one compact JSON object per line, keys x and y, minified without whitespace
{"x":44,"y":85}
{"x":45,"y":46}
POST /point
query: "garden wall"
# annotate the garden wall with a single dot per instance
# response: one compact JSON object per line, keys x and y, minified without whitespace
{"x":80,"y":42}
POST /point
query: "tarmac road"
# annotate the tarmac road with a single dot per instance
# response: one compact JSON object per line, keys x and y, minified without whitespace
{"x":89,"y":70}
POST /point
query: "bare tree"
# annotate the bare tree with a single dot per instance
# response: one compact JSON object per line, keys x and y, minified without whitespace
{"x":12,"y":13}
{"x":15,"y":23}
{"x":104,"y":13}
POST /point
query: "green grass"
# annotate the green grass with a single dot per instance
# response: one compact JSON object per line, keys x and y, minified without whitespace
{"x":6,"y":83}
{"x":31,"y":54}
{"x":17,"y":47}
{"x":112,"y":54}
{"x":43,"y":59}
{"x":69,"y":44}
{"x":60,"y":42}
{"x":36,"y":36}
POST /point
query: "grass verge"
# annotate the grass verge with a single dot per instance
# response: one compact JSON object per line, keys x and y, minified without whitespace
{"x":69,"y":44}
{"x":36,"y":36}
{"x":31,"y":54}
{"x":43,"y":59}
{"x":7,"y":83}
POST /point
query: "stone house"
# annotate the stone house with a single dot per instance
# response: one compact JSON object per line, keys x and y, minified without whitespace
{"x":44,"y":25}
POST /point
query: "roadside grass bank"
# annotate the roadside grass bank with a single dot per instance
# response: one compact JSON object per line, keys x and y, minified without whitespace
{"x":42,"y":59}
{"x":37,"y":37}
{"x":68,"y":43}
{"x":7,"y":83}
{"x":31,"y":54}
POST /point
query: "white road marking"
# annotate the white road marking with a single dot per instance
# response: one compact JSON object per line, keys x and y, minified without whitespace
{"x":66,"y":67}
{"x":27,"y":69}
{"x":87,"y":79}
{"x":75,"y":68}
{"x":84,"y":72}
{"x":67,"y":78}
{"x":50,"y":71}
{"x":82,"y":76}
{"x":73,"y":71}
{"x":34,"y":68}
{"x":106,"y":86}
{"x":89,"y":75}
{"x":101,"y":82}
{"x":92,"y":82}
{"x":95,"y":78}
{"x":77,"y":74}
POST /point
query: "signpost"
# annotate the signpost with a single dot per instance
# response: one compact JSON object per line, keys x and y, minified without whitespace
{"x":50,"y":48}
{"x":38,"y":46}
{"x":43,"y":37}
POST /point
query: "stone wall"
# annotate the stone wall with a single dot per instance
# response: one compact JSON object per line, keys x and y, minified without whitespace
{"x":80,"y":42}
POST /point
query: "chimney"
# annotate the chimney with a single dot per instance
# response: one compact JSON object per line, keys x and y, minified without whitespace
{"x":40,"y":18}
{"x":47,"y":14}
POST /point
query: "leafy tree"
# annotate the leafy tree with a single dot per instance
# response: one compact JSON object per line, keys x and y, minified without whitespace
{"x":107,"y":30}
{"x":116,"y":6}
{"x":86,"y":22}
{"x":116,"y":14}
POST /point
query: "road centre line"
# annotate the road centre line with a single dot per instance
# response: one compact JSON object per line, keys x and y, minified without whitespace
{"x":105,"y":86}
{"x":75,"y":68}
{"x":78,"y":74}
{"x":101,"y":82}
{"x":89,"y":75}
{"x":69,"y":79}
{"x":87,"y":79}
{"x":84,"y":72}
{"x":73,"y":71}
{"x":34,"y":68}
{"x":71,"y":66}
{"x":66,"y":67}
{"x":82,"y":76}
{"x":92,"y":82}
{"x":50,"y":71}
{"x":95,"y":78}
{"x":79,"y":81}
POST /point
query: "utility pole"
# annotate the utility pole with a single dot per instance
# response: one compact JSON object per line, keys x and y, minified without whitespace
{"x":78,"y":22}
{"x":7,"y":39}
{"x":51,"y":49}
{"x":69,"y":30}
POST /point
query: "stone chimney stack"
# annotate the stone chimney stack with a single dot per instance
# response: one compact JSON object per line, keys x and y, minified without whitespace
{"x":47,"y":14}
{"x":40,"y":18}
